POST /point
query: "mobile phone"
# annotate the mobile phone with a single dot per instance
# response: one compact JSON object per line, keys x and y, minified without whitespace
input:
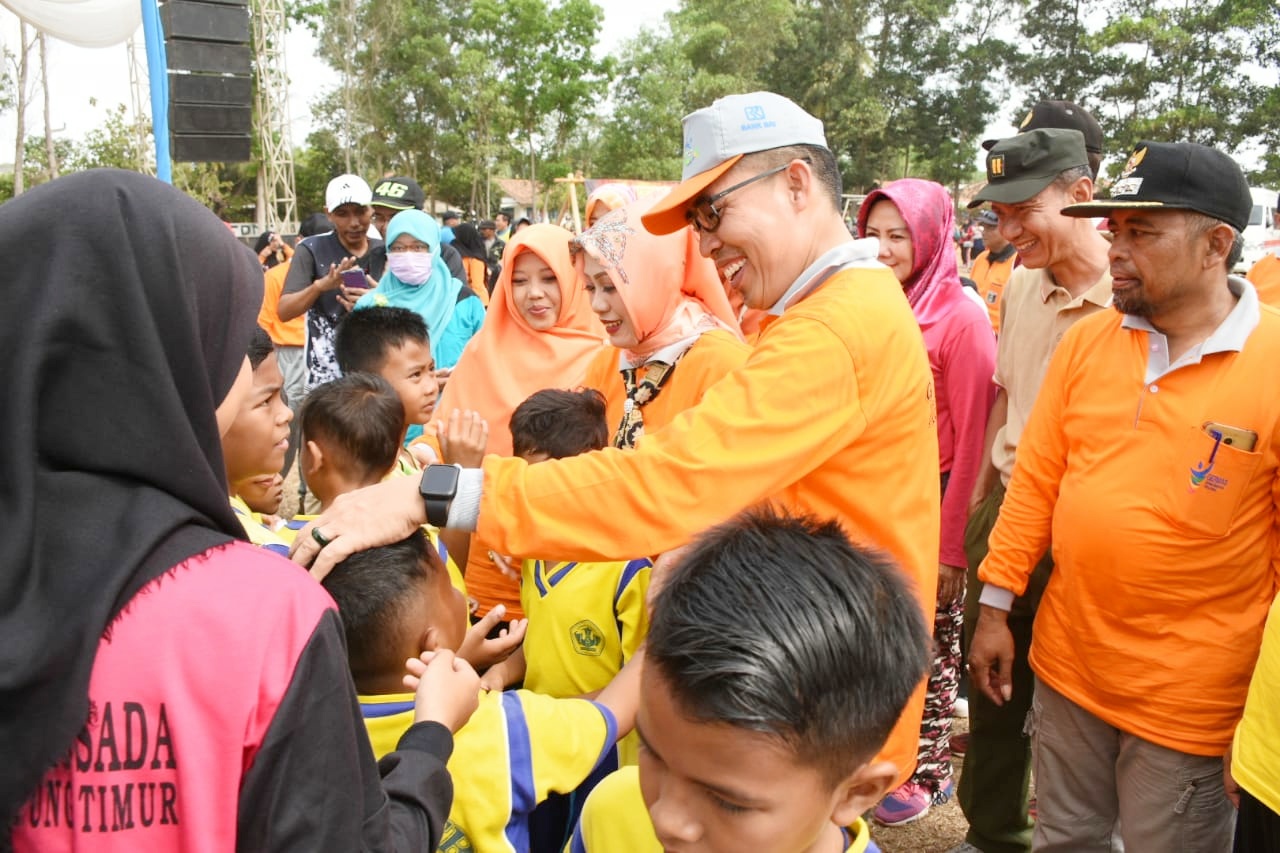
{"x":1240,"y":439}
{"x":354,"y":278}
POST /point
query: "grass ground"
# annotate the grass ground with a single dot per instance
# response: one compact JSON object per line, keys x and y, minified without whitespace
{"x":942,"y":828}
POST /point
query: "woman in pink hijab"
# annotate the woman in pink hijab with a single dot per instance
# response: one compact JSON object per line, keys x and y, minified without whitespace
{"x":913,"y":220}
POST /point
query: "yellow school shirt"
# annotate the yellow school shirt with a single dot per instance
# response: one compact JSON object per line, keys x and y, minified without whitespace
{"x":259,"y":534}
{"x":517,"y":748}
{"x":1256,"y":752}
{"x":615,"y":820}
{"x":585,"y":621}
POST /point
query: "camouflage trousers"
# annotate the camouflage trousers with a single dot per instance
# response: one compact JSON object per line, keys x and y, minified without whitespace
{"x":933,"y":757}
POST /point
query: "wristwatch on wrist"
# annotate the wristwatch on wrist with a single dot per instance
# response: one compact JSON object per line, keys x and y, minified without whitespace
{"x":438,"y":486}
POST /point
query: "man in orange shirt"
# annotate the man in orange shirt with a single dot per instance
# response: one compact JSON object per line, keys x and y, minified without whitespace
{"x":1151,"y":457}
{"x":832,"y":413}
{"x":993,"y":266}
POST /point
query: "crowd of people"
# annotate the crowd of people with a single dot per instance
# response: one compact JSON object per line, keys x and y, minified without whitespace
{"x":685,"y":531}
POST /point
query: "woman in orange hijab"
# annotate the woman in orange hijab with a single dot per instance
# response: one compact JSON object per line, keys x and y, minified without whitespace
{"x":539,"y":333}
{"x":671,"y":330}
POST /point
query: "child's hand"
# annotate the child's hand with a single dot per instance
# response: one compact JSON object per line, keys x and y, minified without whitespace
{"x":505,"y":673}
{"x":482,"y":652}
{"x":509,"y":566}
{"x":463,"y":438}
{"x":446,"y":689}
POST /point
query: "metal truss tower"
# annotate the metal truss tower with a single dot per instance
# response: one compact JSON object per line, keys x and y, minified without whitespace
{"x":139,"y":89}
{"x":277,"y":199}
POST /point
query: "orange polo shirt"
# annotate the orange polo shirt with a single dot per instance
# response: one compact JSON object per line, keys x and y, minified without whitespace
{"x":712,"y":356}
{"x":831,"y":414}
{"x":1162,"y":580}
{"x":292,"y":333}
{"x":991,"y":277}
{"x":1265,"y":275}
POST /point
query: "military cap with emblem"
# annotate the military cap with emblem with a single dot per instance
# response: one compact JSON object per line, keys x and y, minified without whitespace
{"x":1177,"y":176}
{"x":1021,"y":166}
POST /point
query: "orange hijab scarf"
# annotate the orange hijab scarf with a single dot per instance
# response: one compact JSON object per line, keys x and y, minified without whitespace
{"x":508,"y":360}
{"x":671,"y":292}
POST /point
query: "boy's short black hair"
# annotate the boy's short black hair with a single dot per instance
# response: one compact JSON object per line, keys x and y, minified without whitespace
{"x":374,"y":589}
{"x":365,"y":336}
{"x":560,"y":423}
{"x":260,"y":346}
{"x":780,"y":625}
{"x":359,"y":416}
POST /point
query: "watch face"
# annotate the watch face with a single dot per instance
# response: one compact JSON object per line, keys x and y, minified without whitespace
{"x":440,"y":481}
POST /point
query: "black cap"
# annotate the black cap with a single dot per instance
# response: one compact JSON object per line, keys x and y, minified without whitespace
{"x":1021,"y":166}
{"x":487,"y":223}
{"x":988,"y":217}
{"x":1065,"y":114}
{"x":399,"y":193}
{"x":1177,"y":176}
{"x":450,"y":214}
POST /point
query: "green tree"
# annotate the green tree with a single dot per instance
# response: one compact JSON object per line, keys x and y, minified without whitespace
{"x":1179,"y":73}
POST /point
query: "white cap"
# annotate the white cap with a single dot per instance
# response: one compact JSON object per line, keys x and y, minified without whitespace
{"x":347,"y":189}
{"x":717,"y":136}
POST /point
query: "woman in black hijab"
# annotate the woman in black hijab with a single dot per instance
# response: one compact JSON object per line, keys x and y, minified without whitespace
{"x":467,"y":240}
{"x":157,"y":674}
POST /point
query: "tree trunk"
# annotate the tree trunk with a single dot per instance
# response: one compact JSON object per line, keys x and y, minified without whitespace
{"x":19,"y":184}
{"x":51,"y":151}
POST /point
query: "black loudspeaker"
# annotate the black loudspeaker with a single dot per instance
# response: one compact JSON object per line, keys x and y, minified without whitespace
{"x":210,"y":79}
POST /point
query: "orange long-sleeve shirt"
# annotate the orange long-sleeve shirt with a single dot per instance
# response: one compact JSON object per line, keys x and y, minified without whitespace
{"x":832,"y":414}
{"x":1161,"y":585}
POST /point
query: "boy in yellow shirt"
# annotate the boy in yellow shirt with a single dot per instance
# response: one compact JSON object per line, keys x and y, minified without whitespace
{"x":256,"y":443}
{"x":764,"y":702}
{"x":395,"y":344}
{"x":585,"y":619}
{"x":351,"y":430}
{"x":396,"y":603}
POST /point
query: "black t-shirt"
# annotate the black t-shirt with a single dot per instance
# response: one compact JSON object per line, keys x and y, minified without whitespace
{"x":311,"y":257}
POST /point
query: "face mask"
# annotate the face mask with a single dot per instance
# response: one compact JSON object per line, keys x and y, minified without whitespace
{"x":410,"y":267}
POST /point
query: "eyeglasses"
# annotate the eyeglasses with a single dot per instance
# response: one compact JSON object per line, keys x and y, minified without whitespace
{"x":412,"y":247}
{"x":702,"y":214}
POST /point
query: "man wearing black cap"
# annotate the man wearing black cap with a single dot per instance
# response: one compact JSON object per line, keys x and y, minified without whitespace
{"x":392,"y":195}
{"x":1063,"y":278}
{"x":1151,"y":456}
{"x":1067,"y":116}
{"x":493,"y":246}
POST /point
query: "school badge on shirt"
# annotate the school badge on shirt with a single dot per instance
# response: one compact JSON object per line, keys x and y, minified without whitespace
{"x":587,"y":638}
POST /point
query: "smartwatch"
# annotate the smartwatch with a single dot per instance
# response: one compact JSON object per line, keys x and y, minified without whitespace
{"x":438,"y":486}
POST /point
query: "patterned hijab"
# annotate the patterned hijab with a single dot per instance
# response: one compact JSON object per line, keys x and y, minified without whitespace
{"x":671,"y":292}
{"x":927,"y":209}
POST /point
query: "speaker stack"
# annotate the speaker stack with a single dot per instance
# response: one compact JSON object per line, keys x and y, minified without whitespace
{"x":210,"y":79}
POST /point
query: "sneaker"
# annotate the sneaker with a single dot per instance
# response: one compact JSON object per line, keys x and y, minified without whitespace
{"x":960,"y":743}
{"x":960,"y":710}
{"x":966,"y":847}
{"x":911,"y":801}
